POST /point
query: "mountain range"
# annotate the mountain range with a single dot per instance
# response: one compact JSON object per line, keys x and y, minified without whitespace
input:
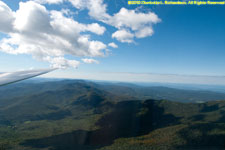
{"x":78,"y":114}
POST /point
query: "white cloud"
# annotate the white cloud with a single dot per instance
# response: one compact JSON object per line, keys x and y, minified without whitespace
{"x":90,"y":61}
{"x":32,"y":17}
{"x":132,"y":24}
{"x":144,"y":32}
{"x":7,"y":18}
{"x":132,"y":19}
{"x":97,"y":8}
{"x":79,"y":4}
{"x":96,"y":28}
{"x":113,"y":45}
{"x":49,"y":1}
{"x":48,"y":35}
{"x":135,"y":22}
{"x":61,"y":62}
{"x":123,"y":36}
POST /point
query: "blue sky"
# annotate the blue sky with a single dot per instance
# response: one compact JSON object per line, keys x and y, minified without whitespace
{"x":189,"y":40}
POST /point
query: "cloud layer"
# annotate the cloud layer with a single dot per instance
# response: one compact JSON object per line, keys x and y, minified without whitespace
{"x":50,"y":35}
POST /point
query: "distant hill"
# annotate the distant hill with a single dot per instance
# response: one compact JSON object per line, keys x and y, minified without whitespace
{"x":84,"y":115}
{"x":122,"y":90}
{"x":159,"y":93}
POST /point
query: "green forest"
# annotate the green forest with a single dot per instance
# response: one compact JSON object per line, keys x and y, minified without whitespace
{"x":84,"y":115}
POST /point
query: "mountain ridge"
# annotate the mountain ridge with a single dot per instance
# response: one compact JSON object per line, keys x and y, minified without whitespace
{"x":86,"y":115}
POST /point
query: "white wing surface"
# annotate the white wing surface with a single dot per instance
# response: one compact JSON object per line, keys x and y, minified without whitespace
{"x":11,"y":77}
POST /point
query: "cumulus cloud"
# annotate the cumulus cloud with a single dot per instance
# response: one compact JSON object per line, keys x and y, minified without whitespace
{"x":97,"y":8}
{"x":137,"y":23}
{"x":113,"y":45}
{"x":90,"y":61}
{"x":131,"y":23}
{"x":96,"y":28}
{"x":61,"y":62}
{"x":134,"y":22}
{"x":48,"y":35}
{"x":132,"y":19}
{"x":123,"y":36}
{"x":144,"y":32}
{"x":7,"y":18}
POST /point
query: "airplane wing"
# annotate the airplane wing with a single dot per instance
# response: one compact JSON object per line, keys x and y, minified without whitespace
{"x":11,"y":77}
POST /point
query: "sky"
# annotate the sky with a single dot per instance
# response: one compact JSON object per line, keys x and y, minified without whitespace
{"x":111,"y":40}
